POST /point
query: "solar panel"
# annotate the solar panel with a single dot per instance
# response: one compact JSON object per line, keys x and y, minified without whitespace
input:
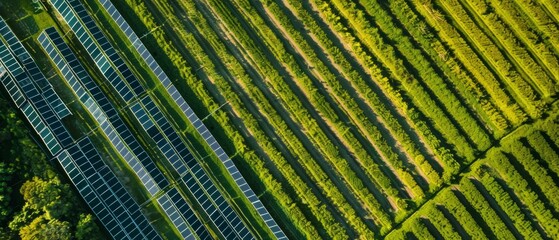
{"x":105,"y":195}
{"x":41,"y":128}
{"x":171,"y":210}
{"x":13,"y":89}
{"x":104,"y":55}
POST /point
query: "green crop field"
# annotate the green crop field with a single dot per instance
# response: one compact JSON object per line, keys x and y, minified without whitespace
{"x":368,"y":119}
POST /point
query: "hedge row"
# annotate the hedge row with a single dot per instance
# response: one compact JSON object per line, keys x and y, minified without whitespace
{"x":526,"y":95}
{"x":541,"y":19}
{"x":518,"y":183}
{"x":488,"y":214}
{"x":365,"y":92}
{"x":545,"y":149}
{"x":388,"y":55}
{"x":430,"y":82}
{"x":461,"y":78}
{"x":370,"y":131}
{"x":532,"y":166}
{"x":513,"y":211}
{"x":527,"y":30}
{"x":473,"y":63}
{"x":387,"y":85}
{"x":517,"y":49}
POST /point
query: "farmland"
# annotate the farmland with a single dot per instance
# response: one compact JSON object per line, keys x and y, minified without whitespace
{"x":356,"y":115}
{"x":416,"y":119}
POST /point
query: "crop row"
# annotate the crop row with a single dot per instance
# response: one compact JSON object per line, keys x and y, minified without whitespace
{"x":353,"y":109}
{"x":518,"y":51}
{"x":387,"y":54}
{"x":268,"y":110}
{"x":527,"y":30}
{"x":294,"y":105}
{"x":521,"y":222}
{"x":542,"y":20}
{"x":473,"y":62}
{"x":429,"y":79}
{"x":460,"y":78}
{"x":525,"y":93}
{"x":378,"y":75}
{"x":345,"y":171}
{"x":506,"y":195}
{"x":364,"y":91}
{"x":536,"y":205}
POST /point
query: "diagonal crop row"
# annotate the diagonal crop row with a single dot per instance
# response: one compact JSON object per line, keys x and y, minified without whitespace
{"x":460,"y":78}
{"x":364,"y":92}
{"x":445,"y":156}
{"x":294,"y":105}
{"x":529,"y":34}
{"x":390,"y":57}
{"x":429,"y":73}
{"x":473,"y":62}
{"x":351,"y":107}
{"x":518,"y":52}
{"x":526,"y":95}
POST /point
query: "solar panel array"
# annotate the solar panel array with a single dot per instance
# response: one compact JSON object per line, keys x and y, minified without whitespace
{"x":200,"y":127}
{"x":98,"y":47}
{"x":114,"y":128}
{"x":174,"y":149}
{"x":38,"y":104}
{"x":54,"y":46}
{"x":182,"y":216}
{"x":97,"y":184}
{"x":106,"y":196}
{"x":33,"y":70}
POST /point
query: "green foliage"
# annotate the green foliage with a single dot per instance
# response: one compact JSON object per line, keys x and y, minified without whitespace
{"x":44,"y":228}
{"x":6,"y":175}
{"x":87,"y":229}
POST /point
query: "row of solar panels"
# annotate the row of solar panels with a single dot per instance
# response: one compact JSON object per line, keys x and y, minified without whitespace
{"x":182,"y":216}
{"x":114,"y":128}
{"x":110,"y":202}
{"x":98,"y":47}
{"x":241,"y":182}
{"x":204,"y":190}
{"x":25,"y":94}
{"x":104,"y":193}
{"x":36,"y":75}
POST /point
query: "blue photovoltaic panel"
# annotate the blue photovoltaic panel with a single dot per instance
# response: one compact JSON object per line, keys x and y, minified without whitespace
{"x":56,"y":103}
{"x":33,"y":70}
{"x":187,"y":213}
{"x":35,"y":98}
{"x":175,"y":217}
{"x":12,"y":89}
